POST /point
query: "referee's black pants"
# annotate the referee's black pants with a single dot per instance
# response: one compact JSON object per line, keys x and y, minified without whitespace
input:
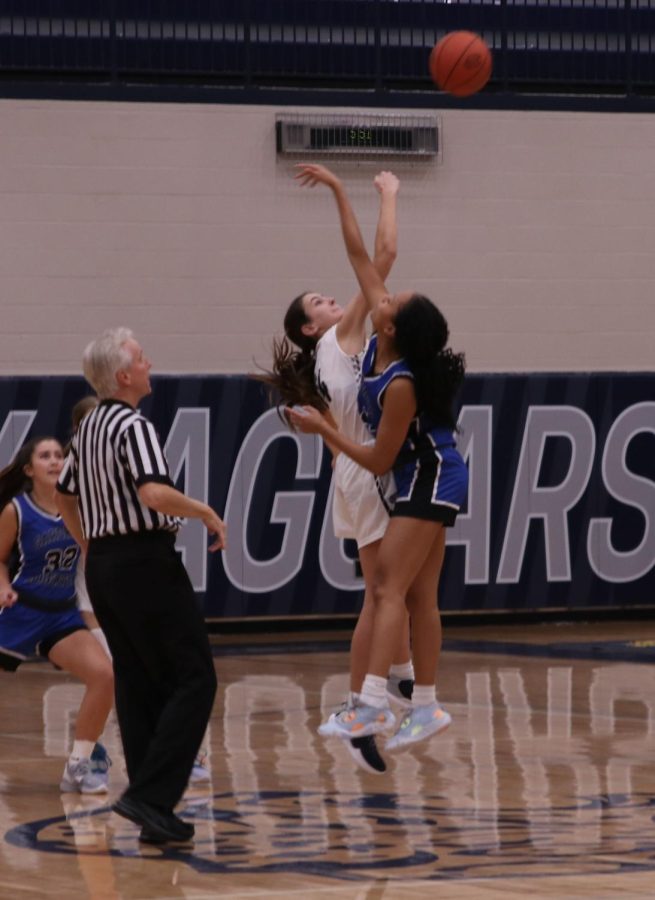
{"x":163,"y":667}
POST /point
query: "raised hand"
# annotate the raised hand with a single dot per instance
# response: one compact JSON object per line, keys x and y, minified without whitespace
{"x":386,"y":183}
{"x":309,"y":175}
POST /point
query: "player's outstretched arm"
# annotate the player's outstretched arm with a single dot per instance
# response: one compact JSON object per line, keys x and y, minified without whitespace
{"x":351,"y":329}
{"x":386,"y":234}
{"x":370,"y":282}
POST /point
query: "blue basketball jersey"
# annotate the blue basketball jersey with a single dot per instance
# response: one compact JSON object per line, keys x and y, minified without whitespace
{"x":47,"y":554}
{"x":431,"y":476}
{"x":423,"y":435}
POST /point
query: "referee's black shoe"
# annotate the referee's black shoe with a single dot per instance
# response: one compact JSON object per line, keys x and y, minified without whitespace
{"x":158,"y":824}
{"x":148,"y":837}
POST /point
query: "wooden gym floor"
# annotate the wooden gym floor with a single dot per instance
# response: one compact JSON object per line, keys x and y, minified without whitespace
{"x":544,"y":784}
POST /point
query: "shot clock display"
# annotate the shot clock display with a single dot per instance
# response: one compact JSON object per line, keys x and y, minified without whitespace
{"x":380,"y":135}
{"x":360,"y":136}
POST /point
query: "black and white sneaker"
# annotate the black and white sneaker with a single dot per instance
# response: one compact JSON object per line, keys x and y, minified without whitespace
{"x":400,"y":690}
{"x":365,"y":753}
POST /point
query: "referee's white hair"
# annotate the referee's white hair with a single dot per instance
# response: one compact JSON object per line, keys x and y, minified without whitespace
{"x":104,"y":357}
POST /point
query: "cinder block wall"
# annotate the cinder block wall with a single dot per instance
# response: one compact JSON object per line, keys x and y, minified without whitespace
{"x":534,"y":231}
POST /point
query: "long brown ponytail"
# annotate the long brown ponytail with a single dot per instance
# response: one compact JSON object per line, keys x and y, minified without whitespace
{"x":291,"y":378}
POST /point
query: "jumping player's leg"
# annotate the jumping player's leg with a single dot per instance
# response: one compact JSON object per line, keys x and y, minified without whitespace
{"x":364,"y":750}
{"x":427,"y":716}
{"x":360,"y":511}
{"x":363,"y":634}
{"x":402,"y":553}
{"x":361,"y":637}
{"x":421,"y":602}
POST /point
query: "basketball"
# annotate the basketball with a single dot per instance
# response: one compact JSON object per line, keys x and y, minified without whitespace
{"x":460,"y":63}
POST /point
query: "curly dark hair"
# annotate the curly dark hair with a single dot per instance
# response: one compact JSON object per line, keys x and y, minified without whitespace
{"x":421,"y":337}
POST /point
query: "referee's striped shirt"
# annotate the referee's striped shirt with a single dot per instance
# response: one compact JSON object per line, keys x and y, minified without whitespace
{"x":115,"y":450}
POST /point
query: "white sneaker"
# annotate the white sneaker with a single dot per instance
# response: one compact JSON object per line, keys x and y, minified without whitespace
{"x":420,"y":723}
{"x":358,"y":721}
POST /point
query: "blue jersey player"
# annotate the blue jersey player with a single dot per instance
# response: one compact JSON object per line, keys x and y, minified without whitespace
{"x":38,"y":562}
{"x":430,"y":475}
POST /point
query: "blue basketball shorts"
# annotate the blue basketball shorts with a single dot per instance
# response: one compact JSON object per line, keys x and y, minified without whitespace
{"x":26,"y":632}
{"x":432,"y":487}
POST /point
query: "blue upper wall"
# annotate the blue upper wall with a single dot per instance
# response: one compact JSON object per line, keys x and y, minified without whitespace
{"x":551,"y":47}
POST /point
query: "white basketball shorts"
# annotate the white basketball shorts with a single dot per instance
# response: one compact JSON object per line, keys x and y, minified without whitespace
{"x":361,"y":502}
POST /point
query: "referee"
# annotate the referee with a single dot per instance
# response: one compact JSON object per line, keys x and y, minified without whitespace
{"x":116,"y":496}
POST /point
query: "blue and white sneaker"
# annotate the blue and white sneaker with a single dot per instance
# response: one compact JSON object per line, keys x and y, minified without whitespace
{"x":100,"y":761}
{"x":420,"y":723}
{"x":79,"y":777}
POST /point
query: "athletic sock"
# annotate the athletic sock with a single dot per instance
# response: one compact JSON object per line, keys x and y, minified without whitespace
{"x":403,"y":671}
{"x":374,"y":691}
{"x":424,"y":695}
{"x":82,"y":749}
{"x":353,"y":698}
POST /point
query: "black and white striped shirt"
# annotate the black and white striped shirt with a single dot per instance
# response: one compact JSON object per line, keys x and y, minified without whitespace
{"x":115,"y":450}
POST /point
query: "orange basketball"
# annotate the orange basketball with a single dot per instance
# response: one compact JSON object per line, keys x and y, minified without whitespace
{"x":460,"y":63}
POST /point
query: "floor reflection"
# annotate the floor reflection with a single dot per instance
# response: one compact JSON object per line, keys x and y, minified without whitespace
{"x":546,"y":770}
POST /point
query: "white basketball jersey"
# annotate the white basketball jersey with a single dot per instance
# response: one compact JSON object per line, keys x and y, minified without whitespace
{"x":337,"y":380}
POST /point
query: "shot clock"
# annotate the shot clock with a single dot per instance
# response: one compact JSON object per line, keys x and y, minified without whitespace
{"x":375,"y":135}
{"x":360,"y":137}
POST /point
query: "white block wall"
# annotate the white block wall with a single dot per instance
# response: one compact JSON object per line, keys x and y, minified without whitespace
{"x":535,"y":232}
